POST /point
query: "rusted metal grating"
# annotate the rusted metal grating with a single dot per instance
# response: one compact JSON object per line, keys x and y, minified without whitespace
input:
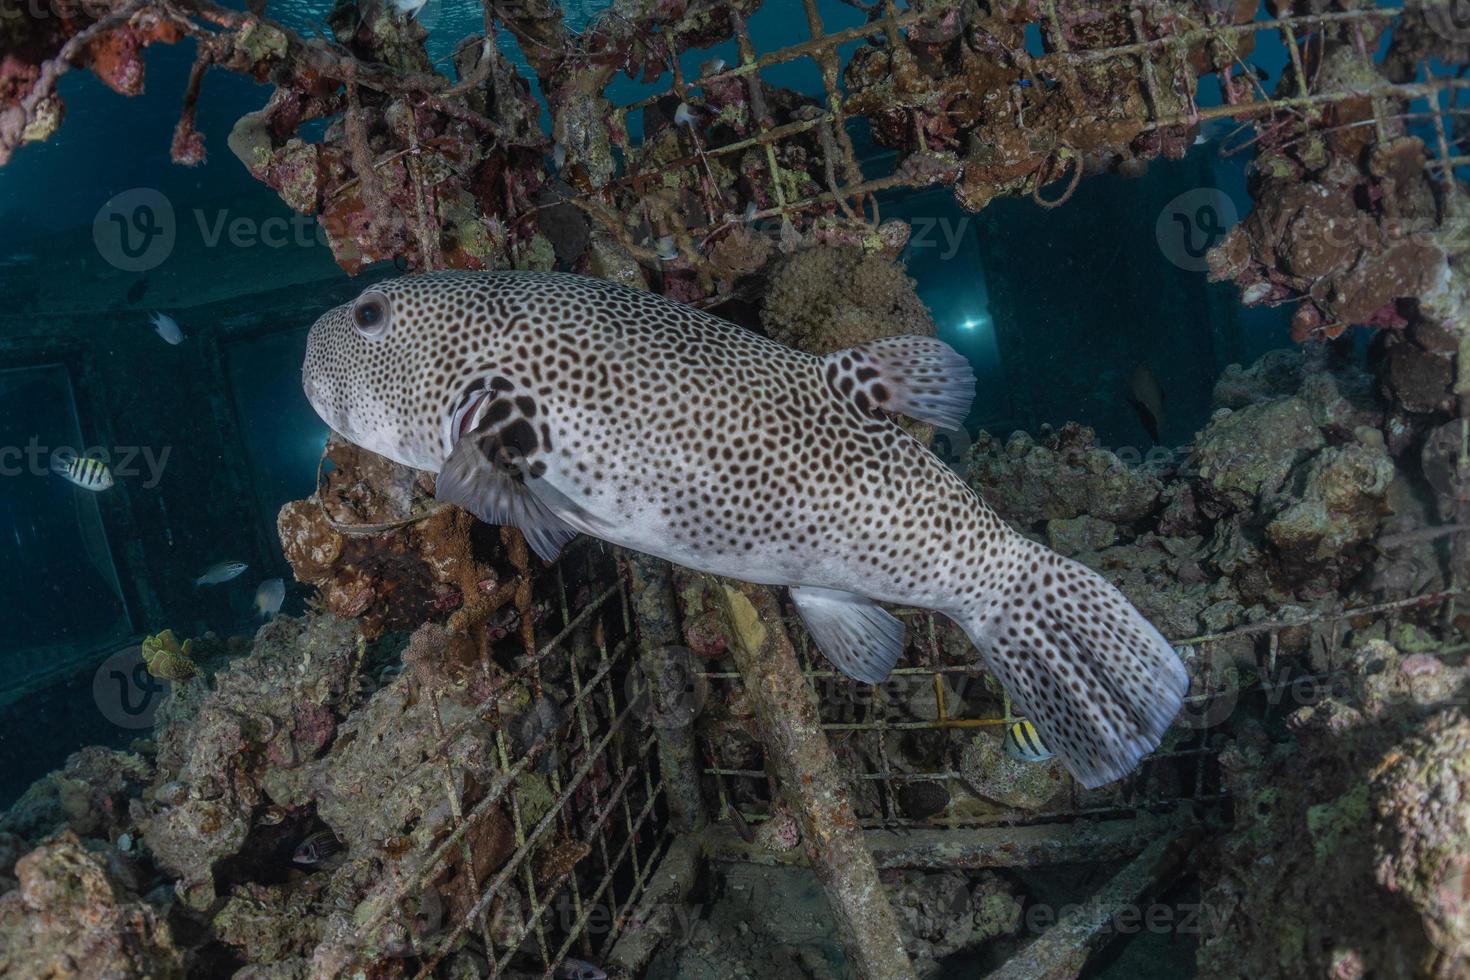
{"x":581,"y":859}
{"x":849,"y":192}
{"x":1191,"y":779}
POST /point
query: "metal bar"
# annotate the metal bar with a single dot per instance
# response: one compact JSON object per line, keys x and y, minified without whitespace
{"x":1063,"y":950}
{"x":655,"y":919}
{"x":931,"y":849}
{"x":802,"y":762}
{"x":651,"y":584}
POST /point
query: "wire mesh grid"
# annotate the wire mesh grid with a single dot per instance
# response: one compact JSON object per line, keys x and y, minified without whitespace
{"x":583,"y":798}
{"x":1155,"y":58}
{"x":1182,"y":773}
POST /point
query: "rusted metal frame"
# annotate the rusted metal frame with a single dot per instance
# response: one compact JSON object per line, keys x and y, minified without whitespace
{"x":941,"y":773}
{"x":975,"y":848}
{"x":759,"y":114}
{"x":488,"y":706}
{"x":616,"y":767}
{"x":1219,"y":31}
{"x":619,"y":918}
{"x":1441,"y":134}
{"x":827,"y":63}
{"x":1082,"y":929}
{"x":515,"y":861}
{"x":456,"y":804}
{"x":1413,"y":602}
{"x":1150,"y":76}
{"x":619,"y":790}
{"x":896,"y":181}
{"x":579,"y":926}
{"x":793,"y":52}
{"x":656,"y":609}
{"x":434,"y":864}
{"x":652,"y":923}
{"x":579,"y":711}
{"x":801,"y":760}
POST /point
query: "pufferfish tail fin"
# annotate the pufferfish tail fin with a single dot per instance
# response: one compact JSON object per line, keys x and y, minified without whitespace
{"x":1096,"y":679}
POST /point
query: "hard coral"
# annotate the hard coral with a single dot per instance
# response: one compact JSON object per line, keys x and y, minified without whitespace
{"x":825,"y":299}
{"x":71,"y":917}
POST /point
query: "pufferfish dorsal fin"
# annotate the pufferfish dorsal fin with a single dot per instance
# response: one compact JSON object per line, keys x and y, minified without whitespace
{"x":862,"y":639}
{"x":486,"y":474}
{"x":921,"y":377}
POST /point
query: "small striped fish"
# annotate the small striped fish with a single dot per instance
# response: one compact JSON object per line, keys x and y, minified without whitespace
{"x":1024,"y":743}
{"x":82,"y":471}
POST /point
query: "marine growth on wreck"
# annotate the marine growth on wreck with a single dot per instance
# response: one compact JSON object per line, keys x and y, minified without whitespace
{"x":766,"y":488}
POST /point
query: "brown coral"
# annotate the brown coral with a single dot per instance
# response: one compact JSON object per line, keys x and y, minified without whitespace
{"x":827,"y":299}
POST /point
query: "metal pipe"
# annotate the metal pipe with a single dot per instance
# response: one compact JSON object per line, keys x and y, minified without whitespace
{"x":800,"y":758}
{"x":669,"y":672}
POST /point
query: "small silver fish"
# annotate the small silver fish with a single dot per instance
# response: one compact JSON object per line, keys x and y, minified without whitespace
{"x":667,"y":250}
{"x":1024,"y":742}
{"x":82,"y":471}
{"x":221,"y":573}
{"x":559,"y":154}
{"x":268,"y":597}
{"x":316,"y":848}
{"x":563,"y":404}
{"x":574,"y":969}
{"x":684,"y":116}
{"x":712,"y":67}
{"x":167,"y":327}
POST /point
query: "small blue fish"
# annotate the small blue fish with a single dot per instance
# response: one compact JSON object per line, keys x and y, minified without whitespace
{"x":221,"y":573}
{"x":268,"y":597}
{"x":167,"y":327}
{"x":1023,"y":742}
{"x":573,"y":969}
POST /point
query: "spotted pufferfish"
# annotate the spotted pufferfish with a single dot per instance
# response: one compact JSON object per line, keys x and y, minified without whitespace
{"x":563,"y":404}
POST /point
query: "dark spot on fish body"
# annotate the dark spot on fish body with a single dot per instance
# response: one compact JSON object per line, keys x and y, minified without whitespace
{"x":498,"y":412}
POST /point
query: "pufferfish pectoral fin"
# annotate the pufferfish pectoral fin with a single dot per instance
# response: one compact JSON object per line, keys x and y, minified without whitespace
{"x":484,"y":479}
{"x":860,"y":638}
{"x":921,"y":377}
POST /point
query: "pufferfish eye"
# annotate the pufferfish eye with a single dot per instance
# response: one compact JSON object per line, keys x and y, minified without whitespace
{"x":371,"y":314}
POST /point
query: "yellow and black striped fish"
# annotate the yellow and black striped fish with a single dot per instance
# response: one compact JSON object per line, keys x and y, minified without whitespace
{"x":83,"y":471}
{"x":1024,"y":742}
